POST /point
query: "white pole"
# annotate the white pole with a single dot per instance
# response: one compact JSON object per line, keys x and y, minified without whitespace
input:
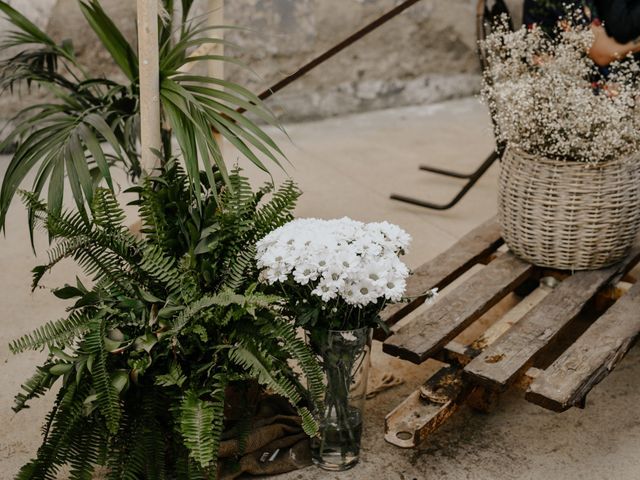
{"x":216,"y":69}
{"x":216,"y":19}
{"x":150,"y":138}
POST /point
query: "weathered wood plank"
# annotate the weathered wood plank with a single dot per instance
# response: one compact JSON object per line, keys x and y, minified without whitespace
{"x":446,"y":318}
{"x":463,"y":354}
{"x":433,"y":403}
{"x":590,"y":359}
{"x":446,"y":267}
{"x":426,"y":409}
{"x":499,"y":365}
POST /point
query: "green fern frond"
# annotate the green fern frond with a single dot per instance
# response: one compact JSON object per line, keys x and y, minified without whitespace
{"x":258,"y":366}
{"x":175,"y":377}
{"x":257,"y":300}
{"x":159,"y":205}
{"x":35,"y":386}
{"x":278,"y":210}
{"x":106,"y":210}
{"x":138,"y":450}
{"x":107,"y":267}
{"x":249,"y":358}
{"x":161,"y":268}
{"x":85,"y":448}
{"x":201,"y":425}
{"x":67,"y":224}
{"x":126,"y":455}
{"x":105,"y":250}
{"x":309,"y":423}
{"x":63,"y":249}
{"x":57,"y":332}
{"x":107,"y":396}
{"x":240,"y":198}
{"x":306,"y":360}
{"x":223,"y":299}
{"x":66,"y":424}
{"x":240,"y":267}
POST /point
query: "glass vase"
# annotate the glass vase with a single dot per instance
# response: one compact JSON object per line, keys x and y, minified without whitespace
{"x":345,"y":357}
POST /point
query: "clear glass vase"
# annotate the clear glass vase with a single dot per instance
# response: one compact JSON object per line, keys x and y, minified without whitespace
{"x":345,"y":356}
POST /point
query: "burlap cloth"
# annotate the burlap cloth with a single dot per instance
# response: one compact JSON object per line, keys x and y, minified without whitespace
{"x":275,"y":444}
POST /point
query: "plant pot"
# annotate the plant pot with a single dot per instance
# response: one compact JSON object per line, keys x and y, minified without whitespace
{"x":345,"y":357}
{"x":568,"y":215}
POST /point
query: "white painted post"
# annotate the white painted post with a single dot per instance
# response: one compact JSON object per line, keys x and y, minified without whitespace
{"x":216,"y":19}
{"x":216,"y":69}
{"x":150,"y":138}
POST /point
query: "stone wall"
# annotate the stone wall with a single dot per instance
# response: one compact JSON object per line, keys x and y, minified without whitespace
{"x":427,"y":54}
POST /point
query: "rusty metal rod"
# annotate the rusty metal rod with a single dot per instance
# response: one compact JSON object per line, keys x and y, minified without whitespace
{"x":334,"y":50}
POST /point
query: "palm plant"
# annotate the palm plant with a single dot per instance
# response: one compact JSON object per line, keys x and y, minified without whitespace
{"x":146,"y":354}
{"x":65,"y":137}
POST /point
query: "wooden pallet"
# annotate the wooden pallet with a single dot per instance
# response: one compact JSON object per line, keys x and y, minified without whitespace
{"x":561,"y":335}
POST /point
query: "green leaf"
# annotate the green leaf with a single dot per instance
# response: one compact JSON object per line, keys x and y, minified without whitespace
{"x":67,"y":292}
{"x":60,"y":369}
{"x":94,"y":147}
{"x":111,"y":37}
{"x":25,"y":24}
{"x":120,"y":380}
{"x":145,"y":342}
{"x":53,"y":332}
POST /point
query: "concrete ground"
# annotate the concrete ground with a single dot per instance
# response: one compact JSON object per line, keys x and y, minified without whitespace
{"x":349,"y":166}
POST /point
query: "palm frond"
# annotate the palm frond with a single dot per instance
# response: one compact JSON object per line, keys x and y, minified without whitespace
{"x":59,"y":141}
{"x":112,"y":38}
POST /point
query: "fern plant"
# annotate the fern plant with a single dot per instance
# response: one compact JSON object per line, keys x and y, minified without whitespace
{"x":63,"y":140}
{"x":172,"y":319}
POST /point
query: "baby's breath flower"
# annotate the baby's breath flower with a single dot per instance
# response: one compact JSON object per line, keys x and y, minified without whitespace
{"x":548,"y":97}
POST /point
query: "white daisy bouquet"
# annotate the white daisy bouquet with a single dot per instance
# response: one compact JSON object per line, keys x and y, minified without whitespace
{"x":337,"y":274}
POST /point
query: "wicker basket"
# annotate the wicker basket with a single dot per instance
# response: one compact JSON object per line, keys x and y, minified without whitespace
{"x":568,"y":215}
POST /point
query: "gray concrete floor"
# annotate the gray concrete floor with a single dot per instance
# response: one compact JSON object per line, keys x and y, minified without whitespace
{"x":349,"y":166}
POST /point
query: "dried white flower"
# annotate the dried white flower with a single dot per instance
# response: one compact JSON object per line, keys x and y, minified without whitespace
{"x":548,"y":97}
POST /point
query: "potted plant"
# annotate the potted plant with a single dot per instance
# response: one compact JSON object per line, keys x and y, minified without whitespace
{"x":337,"y":275}
{"x":146,"y":355}
{"x":569,"y":185}
{"x":174,"y":321}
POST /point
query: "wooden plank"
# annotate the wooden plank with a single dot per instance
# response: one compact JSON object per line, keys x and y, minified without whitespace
{"x":591,"y":358}
{"x":463,"y":354}
{"x":446,"y":267}
{"x":426,"y":409}
{"x":499,"y":365}
{"x":432,"y":404}
{"x":447,"y":317}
